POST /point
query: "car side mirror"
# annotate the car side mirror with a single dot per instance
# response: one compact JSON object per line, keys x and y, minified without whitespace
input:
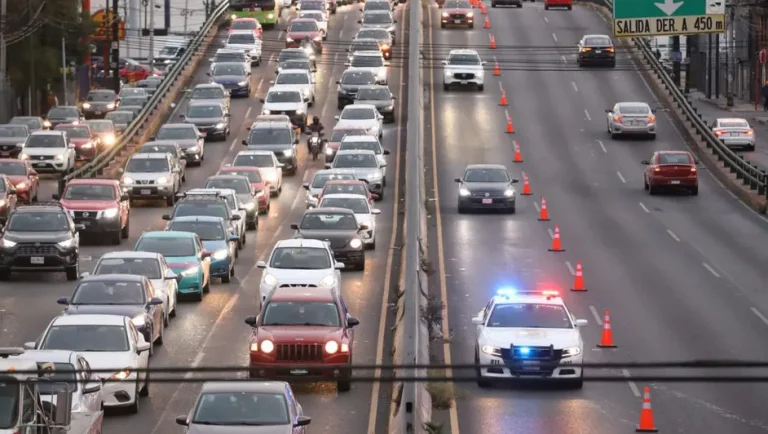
{"x":359,"y":21}
{"x":305,"y":185}
{"x":32,"y":173}
{"x":654,"y":110}
{"x":515,"y":180}
{"x":208,"y":74}
{"x":235,"y":217}
{"x":206,"y":254}
{"x":645,"y":162}
{"x":478,"y":320}
{"x":457,"y":179}
{"x":581,"y":323}
{"x":383,"y":165}
{"x":176,"y":170}
{"x":166,"y":217}
{"x":394,"y":21}
{"x":183,"y":116}
{"x":696,"y":161}
{"x":124,"y":197}
{"x":363,"y":227}
{"x":375,"y":211}
{"x":294,"y":226}
{"x":338,"y":81}
{"x":92,"y":387}
{"x":336,"y":117}
{"x":151,"y":139}
{"x":155,"y":301}
{"x":302,"y":421}
{"x":261,"y":264}
{"x":144,"y":346}
{"x":182,"y":420}
{"x":296,"y":142}
{"x":85,"y":274}
{"x":170,"y":275}
{"x":244,"y":142}
{"x":55,"y":197}
{"x":339,"y":266}
{"x":29,"y":345}
{"x":261,"y":100}
{"x":375,"y":196}
{"x":252,"y":320}
{"x":120,"y":170}
{"x":62,"y":301}
{"x":234,"y":237}
{"x":444,"y":62}
{"x":271,"y":81}
{"x":352,"y":322}
{"x":71,"y":146}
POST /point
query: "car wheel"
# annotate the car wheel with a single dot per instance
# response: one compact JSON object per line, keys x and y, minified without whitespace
{"x":483,"y":384}
{"x":170,"y":200}
{"x":546,"y":8}
{"x":125,"y":232}
{"x":116,"y":237}
{"x":481,"y":87}
{"x":134,"y":408}
{"x":161,"y":338}
{"x":227,"y":278}
{"x":512,"y":210}
{"x":653,"y":137}
{"x":241,"y":241}
{"x":446,"y":87}
{"x":343,"y":385}
{"x":34,"y":198}
{"x":461,"y":209}
{"x":695,"y":190}
{"x":645,"y":184}
{"x":167,"y":316}
{"x":442,"y":25}
{"x":207,"y":287}
{"x":5,"y":274}
{"x":493,"y":4}
{"x":73,"y":272}
{"x":614,"y":136}
{"x":750,"y":148}
{"x":651,"y":190}
{"x":198,"y":296}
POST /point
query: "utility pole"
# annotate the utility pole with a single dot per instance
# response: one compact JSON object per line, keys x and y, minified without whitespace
{"x":151,"y":56}
{"x":64,"y":68}
{"x":185,"y":12}
{"x":3,"y":59}
{"x":31,"y":89}
{"x":676,"y":58}
{"x":709,"y":66}
{"x":729,"y":54}
{"x":115,"y":53}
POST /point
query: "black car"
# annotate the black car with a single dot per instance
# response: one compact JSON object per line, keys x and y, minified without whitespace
{"x":210,"y":118}
{"x":486,"y":187}
{"x":302,"y":64}
{"x":99,"y":102}
{"x":293,"y":54}
{"x":7,"y":198}
{"x":34,"y":123}
{"x":212,"y":205}
{"x":12,"y":138}
{"x":277,"y":137}
{"x":596,"y":50}
{"x":40,"y":237}
{"x":379,"y":96}
{"x":120,"y":294}
{"x":338,"y":226}
{"x":63,"y":115}
{"x":350,"y":83}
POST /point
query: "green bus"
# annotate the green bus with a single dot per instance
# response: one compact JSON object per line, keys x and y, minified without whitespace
{"x":266,"y":11}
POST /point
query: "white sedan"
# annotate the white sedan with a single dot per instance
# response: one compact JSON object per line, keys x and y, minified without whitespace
{"x":364,"y":214}
{"x":363,"y":116}
{"x":267,"y":164}
{"x":296,"y":79}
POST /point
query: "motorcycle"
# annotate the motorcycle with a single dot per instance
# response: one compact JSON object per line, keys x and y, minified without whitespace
{"x":315,"y":143}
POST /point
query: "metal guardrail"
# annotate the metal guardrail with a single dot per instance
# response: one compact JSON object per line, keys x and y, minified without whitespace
{"x":749,"y":174}
{"x":93,"y":167}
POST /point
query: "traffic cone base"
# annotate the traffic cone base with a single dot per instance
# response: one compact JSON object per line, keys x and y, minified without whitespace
{"x":578,"y":279}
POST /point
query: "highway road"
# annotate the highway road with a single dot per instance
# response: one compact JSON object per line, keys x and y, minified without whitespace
{"x":683,"y":277}
{"x":212,"y":332}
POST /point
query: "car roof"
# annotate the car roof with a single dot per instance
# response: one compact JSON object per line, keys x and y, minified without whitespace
{"x":365,"y":53}
{"x":486,"y":166}
{"x":167,"y":234}
{"x":239,"y":169}
{"x":222,"y":176}
{"x":299,"y":293}
{"x":97,"y":121}
{"x":109,"y":277}
{"x":89,"y":319}
{"x":150,"y":156}
{"x":355,"y":152}
{"x":282,"y":89}
{"x":242,"y":32}
{"x":462,"y":51}
{"x":229,"y":51}
{"x":93,"y":181}
{"x":132,"y":254}
{"x":344,"y":196}
{"x":243,"y":386}
{"x":356,"y":70}
{"x":294,"y":71}
{"x":357,"y":106}
{"x":374,"y":87}
{"x":204,"y":102}
{"x":346,"y":181}
{"x":366,"y":40}
{"x":327,"y":210}
{"x":104,"y":91}
{"x":272,"y":124}
{"x":52,"y":356}
{"x":303,"y":20}
{"x":177,"y":125}
{"x":253,"y":152}
{"x":47,"y":133}
{"x":301,"y":242}
{"x":360,"y":138}
{"x":210,"y":191}
{"x":210,"y":85}
{"x":378,"y":12}
{"x":668,"y":152}
{"x":726,"y":120}
{"x":198,"y":218}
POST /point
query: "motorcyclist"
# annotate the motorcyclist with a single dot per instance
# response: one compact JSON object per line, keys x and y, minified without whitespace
{"x":315,"y":127}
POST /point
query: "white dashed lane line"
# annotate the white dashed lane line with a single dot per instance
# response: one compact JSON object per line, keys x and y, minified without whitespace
{"x":602,"y":146}
{"x":710,"y":269}
{"x":621,"y":177}
{"x":642,"y":205}
{"x":674,"y":237}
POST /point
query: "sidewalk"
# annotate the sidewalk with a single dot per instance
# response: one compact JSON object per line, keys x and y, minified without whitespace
{"x":712,"y":109}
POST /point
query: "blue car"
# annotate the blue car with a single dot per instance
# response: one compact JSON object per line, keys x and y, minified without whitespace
{"x":234,"y":77}
{"x":186,"y":256}
{"x":216,"y":238}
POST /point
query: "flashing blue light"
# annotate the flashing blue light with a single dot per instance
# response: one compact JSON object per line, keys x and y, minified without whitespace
{"x":507,"y":292}
{"x":524,"y":351}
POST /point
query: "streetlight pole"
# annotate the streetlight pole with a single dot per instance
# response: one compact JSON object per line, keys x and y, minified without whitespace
{"x":152,"y":39}
{"x":64,"y":68}
{"x":185,"y":12}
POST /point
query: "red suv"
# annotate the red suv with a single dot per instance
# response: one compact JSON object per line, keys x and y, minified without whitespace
{"x":299,"y":30}
{"x":303,"y":332}
{"x":87,"y":142}
{"x":98,"y":204}
{"x":23,"y":176}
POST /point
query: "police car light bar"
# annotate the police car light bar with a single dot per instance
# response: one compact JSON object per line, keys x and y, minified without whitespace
{"x":508,"y":292}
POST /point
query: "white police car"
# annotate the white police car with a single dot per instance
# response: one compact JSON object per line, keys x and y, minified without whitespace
{"x":528,"y":335}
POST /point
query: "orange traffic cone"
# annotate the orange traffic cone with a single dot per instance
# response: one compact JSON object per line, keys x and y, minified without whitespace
{"x":496,"y":69}
{"x":556,"y":244}
{"x":526,"y":185}
{"x":578,"y":279}
{"x":646,"y":414}
{"x":543,"y":211}
{"x":606,"y":341}
{"x":487,"y":24}
{"x":493,"y":41}
{"x":518,"y":155}
{"x":482,"y":9}
{"x":510,"y":130}
{"x":503,"y":101}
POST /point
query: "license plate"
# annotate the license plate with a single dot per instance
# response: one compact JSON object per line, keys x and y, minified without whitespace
{"x":299,"y":372}
{"x":146,"y":192}
{"x":598,"y":51}
{"x":98,"y":113}
{"x":487,"y":201}
{"x":674,"y":182}
{"x":456,"y":21}
{"x":5,"y":154}
{"x":37,"y":260}
{"x":495,"y":362}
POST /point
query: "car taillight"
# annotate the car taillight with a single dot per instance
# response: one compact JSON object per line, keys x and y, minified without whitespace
{"x":749,"y":132}
{"x":719,"y":133}
{"x":618,"y":118}
{"x":657,"y":169}
{"x":651,"y":119}
{"x":610,"y":50}
{"x":693,"y":169}
{"x":586,"y":49}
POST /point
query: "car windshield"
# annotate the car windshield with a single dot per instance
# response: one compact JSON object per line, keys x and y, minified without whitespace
{"x":317,"y":16}
{"x":133,"y":101}
{"x":86,"y":338}
{"x":356,"y":205}
{"x":253,"y":176}
{"x":176,"y":134}
{"x":101,"y":126}
{"x":228,"y":69}
{"x":9,"y":402}
{"x":157,"y":149}
{"x":58,"y":379}
{"x":63,"y":112}
{"x":101,"y":96}
{"x":90,"y":192}
{"x":358,"y":114}
{"x":282,"y":96}
{"x":734,"y":124}
{"x":354,"y":160}
{"x":269,"y":136}
{"x":258,"y":160}
{"x":292,"y":54}
{"x":598,"y":42}
{"x":30,"y":122}
{"x":241,"y":186}
{"x":130,"y":91}
{"x":147,"y":267}
{"x":109,"y":292}
{"x":300,"y":258}
{"x":675,"y":159}
{"x":120,"y":117}
{"x":12,"y":168}
{"x":377,"y":6}
{"x":192,"y":208}
{"x":358,"y":78}
{"x":377,"y":18}
{"x":38,"y":222}
{"x":464,"y":59}
{"x":530,"y":315}
{"x":374,"y":94}
{"x":244,"y":25}
{"x":301,"y":313}
{"x":486,"y":175}
{"x":207,"y":231}
{"x":208,"y":93}
{"x":367,"y":61}
{"x":321,"y":179}
{"x":241,"y":408}
{"x":204,"y":111}
{"x":242,"y":39}
{"x":147,"y":165}
{"x":77,"y":132}
{"x":11,"y":131}
{"x":350,"y":145}
{"x":339,"y":188}
{"x":296,"y":64}
{"x":338,"y":135}
{"x":364,"y":46}
{"x":2,"y":186}
{"x":378,"y":34}
{"x":45,"y":141}
{"x":289,"y":78}
{"x":634,"y":110}
{"x":167,"y":246}
{"x":229,"y":58}
{"x":328,"y":221}
{"x":451,"y":4}
{"x":311,"y":6}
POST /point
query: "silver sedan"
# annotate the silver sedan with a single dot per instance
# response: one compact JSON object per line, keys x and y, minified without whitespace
{"x":631,"y":118}
{"x":734,"y":133}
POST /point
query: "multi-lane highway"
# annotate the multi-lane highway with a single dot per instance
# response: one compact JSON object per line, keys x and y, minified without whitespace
{"x":683,"y":276}
{"x":212,"y":332}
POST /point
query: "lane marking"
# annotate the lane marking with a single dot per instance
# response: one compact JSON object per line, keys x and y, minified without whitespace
{"x":759,"y":315}
{"x":621,"y":177}
{"x":598,"y":320}
{"x":589,"y":118}
{"x":563,"y":59}
{"x":248,"y":112}
{"x":674,"y":237}
{"x":642,"y":205}
{"x":570,"y":268}
{"x":506,"y":113}
{"x":546,"y":20}
{"x":536,"y":205}
{"x":573,"y":83}
{"x":710,"y":269}
{"x":501,"y":88}
{"x":602,"y":146}
{"x":632,"y":385}
{"x":341,"y":33}
{"x":554,"y":36}
{"x":551,"y":234}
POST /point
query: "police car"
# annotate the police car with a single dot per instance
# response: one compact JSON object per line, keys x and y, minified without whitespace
{"x":528,"y":335}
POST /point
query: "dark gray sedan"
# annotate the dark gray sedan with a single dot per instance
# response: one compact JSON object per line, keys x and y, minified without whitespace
{"x":379,"y":96}
{"x":486,"y":187}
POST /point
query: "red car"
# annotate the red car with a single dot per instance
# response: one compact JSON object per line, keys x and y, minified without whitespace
{"x":311,"y":328}
{"x":568,"y":4}
{"x":23,"y":177}
{"x":671,"y":169}
{"x":301,"y":28}
{"x":98,"y":204}
{"x":246,"y":24}
{"x":132,"y":72}
{"x":259,"y":184}
{"x":87,"y":142}
{"x":337,"y":135}
{"x":457,"y":13}
{"x":347,"y":186}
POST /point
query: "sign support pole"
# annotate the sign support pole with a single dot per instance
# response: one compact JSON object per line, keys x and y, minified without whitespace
{"x":676,"y":57}
{"x":115,"y":49}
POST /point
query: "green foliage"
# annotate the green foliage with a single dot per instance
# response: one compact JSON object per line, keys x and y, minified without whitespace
{"x":433,"y":428}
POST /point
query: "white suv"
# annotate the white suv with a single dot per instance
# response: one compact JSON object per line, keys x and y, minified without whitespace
{"x":299,"y":262}
{"x":463,"y":68}
{"x":49,"y":151}
{"x":370,"y":61}
{"x":151,"y":176}
{"x":289,"y":102}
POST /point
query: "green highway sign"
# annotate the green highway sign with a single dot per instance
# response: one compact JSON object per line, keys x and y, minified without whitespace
{"x":633,"y":18}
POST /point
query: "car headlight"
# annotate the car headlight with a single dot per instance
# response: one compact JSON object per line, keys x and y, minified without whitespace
{"x":127,"y":180}
{"x":67,"y":243}
{"x":267,"y":346}
{"x":448,"y":73}
{"x":250,"y":206}
{"x":270,"y":279}
{"x":355,"y":243}
{"x":331,"y":347}
{"x":76,"y":122}
{"x":20,"y":145}
{"x":470,"y":15}
{"x":21,"y":186}
{"x":464,"y":192}
{"x":254,"y":347}
{"x":509,"y":193}
{"x":220,"y":126}
{"x":7,"y":243}
{"x":491,"y":351}
{"x":242,"y":83}
{"x":109,"y":139}
{"x":194,"y":149}
{"x":287,"y":39}
{"x":139,"y":321}
{"x":271,"y":178}
{"x":88,"y":145}
{"x":288,"y":152}
{"x":318,"y":39}
{"x":59,"y":157}
{"x":110,"y":106}
{"x":388,"y":108}
{"x":121,"y":375}
{"x":299,"y":112}
{"x":328,"y":280}
{"x":266,"y":112}
{"x":2,"y":203}
{"x":221,"y":254}
{"x":328,"y":151}
{"x":571,"y":352}
{"x":86,"y":105}
{"x":191,"y":271}
{"x":445,"y":14}
{"x":47,"y":124}
{"x":375,"y":176}
{"x":271,"y":16}
{"x":162,"y":180}
{"x":110,"y":213}
{"x":23,"y":156}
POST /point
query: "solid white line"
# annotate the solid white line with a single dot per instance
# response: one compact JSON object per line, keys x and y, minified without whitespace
{"x":710,"y":269}
{"x":632,"y":385}
{"x":621,"y":177}
{"x":564,"y":61}
{"x":551,"y":234}
{"x":506,"y":113}
{"x":501,"y":88}
{"x":759,"y":315}
{"x":674,"y":237}
{"x":536,"y":205}
{"x":601,"y":16}
{"x":546,"y":20}
{"x":248,"y":112}
{"x":341,"y":34}
{"x":602,"y":146}
{"x":573,"y":83}
{"x":554,"y":36}
{"x":272,"y":56}
{"x":642,"y":205}
{"x":598,"y":320}
{"x":570,"y":268}
{"x":589,"y":118}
